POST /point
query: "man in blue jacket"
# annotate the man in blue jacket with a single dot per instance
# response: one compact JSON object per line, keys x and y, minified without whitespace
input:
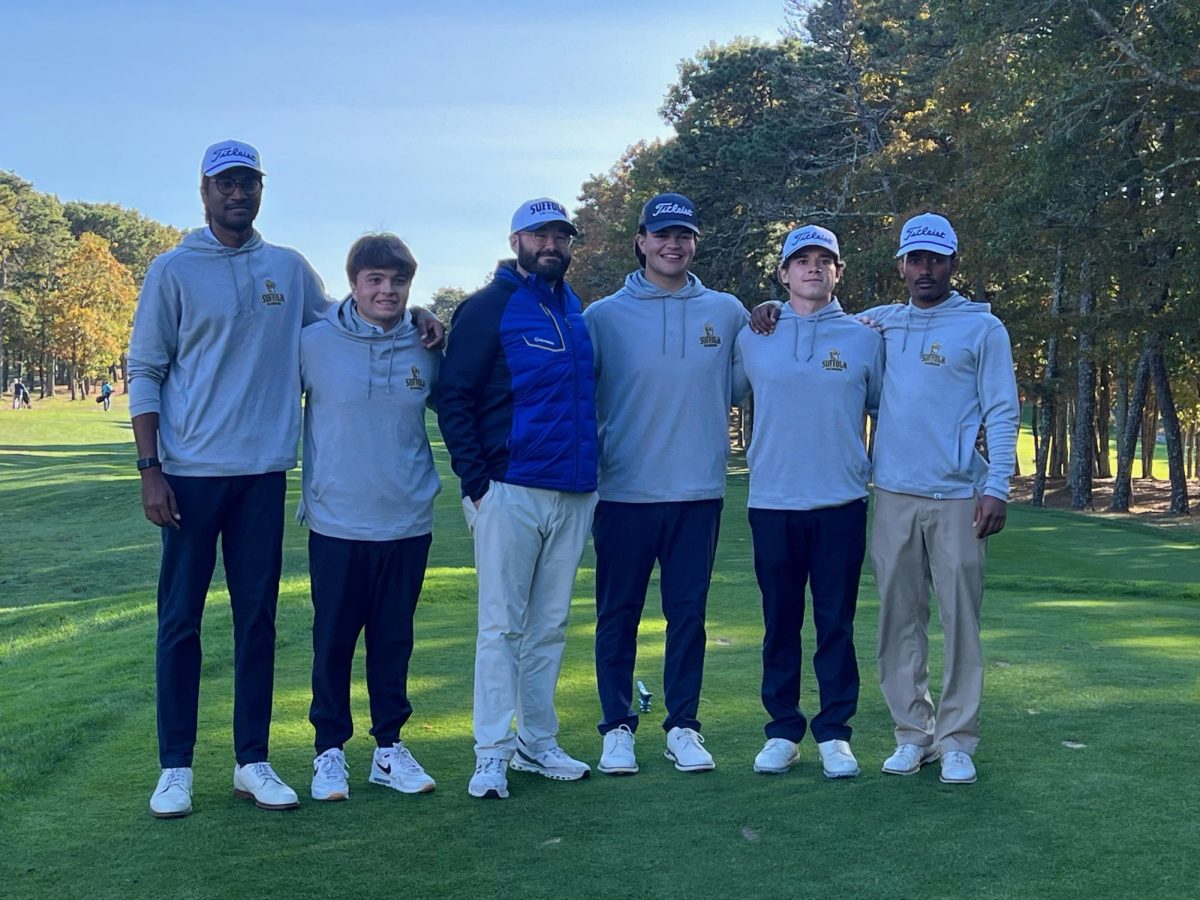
{"x":516,"y":406}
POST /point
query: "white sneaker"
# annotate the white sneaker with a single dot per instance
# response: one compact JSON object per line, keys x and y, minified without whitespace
{"x":777,"y":756}
{"x":490,"y":781}
{"x":958,"y":768}
{"x":685,"y":748}
{"x":395,"y":767}
{"x":617,"y":757}
{"x":329,"y":776}
{"x":258,"y":782}
{"x":908,"y":759}
{"x":172,"y":798}
{"x":554,"y":763}
{"x":837,"y":759}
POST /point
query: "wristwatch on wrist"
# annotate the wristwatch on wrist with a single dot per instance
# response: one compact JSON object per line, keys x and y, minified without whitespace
{"x":148,"y":462}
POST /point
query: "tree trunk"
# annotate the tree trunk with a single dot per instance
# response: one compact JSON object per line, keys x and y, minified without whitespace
{"x":1149,"y":430}
{"x":1042,"y":434}
{"x":1170,"y":420}
{"x":1103,"y":422}
{"x":1058,"y":454}
{"x":1122,"y":485}
{"x":1085,"y":403}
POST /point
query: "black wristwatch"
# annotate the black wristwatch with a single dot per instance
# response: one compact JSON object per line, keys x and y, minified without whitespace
{"x":148,"y":462}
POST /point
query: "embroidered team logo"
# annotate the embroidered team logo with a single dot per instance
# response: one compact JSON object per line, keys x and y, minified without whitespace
{"x":416,"y":382}
{"x":835,"y":363}
{"x":934,"y":356}
{"x":709,"y":339}
{"x":272,"y":297}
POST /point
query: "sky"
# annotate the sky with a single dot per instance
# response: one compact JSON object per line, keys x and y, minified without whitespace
{"x":431,"y":120}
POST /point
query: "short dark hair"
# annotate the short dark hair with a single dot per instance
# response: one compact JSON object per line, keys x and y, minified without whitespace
{"x":380,"y":251}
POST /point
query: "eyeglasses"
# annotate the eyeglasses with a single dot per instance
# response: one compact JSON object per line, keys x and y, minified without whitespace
{"x":557,"y":238}
{"x":250,"y":185}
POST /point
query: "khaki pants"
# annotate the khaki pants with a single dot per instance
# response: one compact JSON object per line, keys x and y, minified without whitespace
{"x":917,"y":543}
{"x":527,"y":547}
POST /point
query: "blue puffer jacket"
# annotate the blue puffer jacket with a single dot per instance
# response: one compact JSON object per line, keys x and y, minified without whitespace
{"x":517,"y":393}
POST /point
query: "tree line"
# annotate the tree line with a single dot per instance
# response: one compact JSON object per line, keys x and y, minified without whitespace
{"x":1059,"y":136}
{"x":69,"y":279}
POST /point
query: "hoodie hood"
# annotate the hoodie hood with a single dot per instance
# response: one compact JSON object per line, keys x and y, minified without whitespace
{"x":239,"y":260}
{"x":379,"y":349}
{"x":920,"y":318}
{"x":808,"y":325}
{"x":638,"y":286}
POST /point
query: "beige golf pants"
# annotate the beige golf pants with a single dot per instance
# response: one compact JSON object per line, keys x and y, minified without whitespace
{"x":918,"y":543}
{"x":527,"y":547}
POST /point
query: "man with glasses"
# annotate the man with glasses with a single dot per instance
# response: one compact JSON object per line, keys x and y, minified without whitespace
{"x":516,"y":406}
{"x":214,"y":397}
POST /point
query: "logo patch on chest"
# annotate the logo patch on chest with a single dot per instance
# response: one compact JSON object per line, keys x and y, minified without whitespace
{"x":416,"y":382}
{"x":709,"y":338}
{"x":934,"y":356}
{"x":835,"y":363}
{"x":272,"y":297}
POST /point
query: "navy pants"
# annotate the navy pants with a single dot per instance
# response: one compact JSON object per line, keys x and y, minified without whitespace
{"x":246,"y":513}
{"x":357,"y":586}
{"x":629,"y":539}
{"x":825,"y":548}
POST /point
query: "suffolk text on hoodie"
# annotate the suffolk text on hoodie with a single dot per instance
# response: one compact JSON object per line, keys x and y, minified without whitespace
{"x":814,"y":380}
{"x":664,"y":384}
{"x":215,"y":352}
{"x":948,"y":370}
{"x":368,"y":472}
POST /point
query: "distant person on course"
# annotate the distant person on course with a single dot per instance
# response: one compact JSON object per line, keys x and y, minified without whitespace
{"x":814,"y":382}
{"x":368,"y":489}
{"x":516,"y":405}
{"x":664,"y":348}
{"x":106,"y":394}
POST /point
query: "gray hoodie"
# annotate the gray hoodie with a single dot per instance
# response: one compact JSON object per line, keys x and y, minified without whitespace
{"x":368,"y":471}
{"x":814,"y":380}
{"x":215,"y":352}
{"x":664,"y":382}
{"x":949,"y":370}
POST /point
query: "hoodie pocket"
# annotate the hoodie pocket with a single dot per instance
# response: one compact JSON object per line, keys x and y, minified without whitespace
{"x":970,"y":462}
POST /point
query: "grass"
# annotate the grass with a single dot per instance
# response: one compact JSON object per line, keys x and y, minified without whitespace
{"x":1092,"y":637}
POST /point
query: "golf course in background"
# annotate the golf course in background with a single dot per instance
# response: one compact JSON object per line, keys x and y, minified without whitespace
{"x":1088,"y":763}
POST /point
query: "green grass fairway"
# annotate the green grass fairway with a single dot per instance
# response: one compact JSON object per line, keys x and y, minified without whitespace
{"x":1088,"y":765}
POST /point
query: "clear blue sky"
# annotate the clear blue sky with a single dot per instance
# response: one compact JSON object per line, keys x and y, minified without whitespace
{"x":433,"y":120}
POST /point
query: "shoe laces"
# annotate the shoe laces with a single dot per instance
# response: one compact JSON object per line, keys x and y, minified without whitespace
{"x":557,"y":754}
{"x":956,"y":758}
{"x":404,"y":759}
{"x":332,"y":765}
{"x":263,"y":772}
{"x":690,"y":736}
{"x":176,"y":777}
{"x":490,"y":765}
{"x":622,"y":736}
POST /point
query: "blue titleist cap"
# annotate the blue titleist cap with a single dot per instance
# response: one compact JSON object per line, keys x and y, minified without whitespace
{"x":666,"y":210}
{"x":533,"y":214}
{"x":928,"y":231}
{"x":809,"y":236}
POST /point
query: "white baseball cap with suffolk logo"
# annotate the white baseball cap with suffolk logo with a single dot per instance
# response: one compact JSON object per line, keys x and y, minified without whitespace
{"x":928,"y":231}
{"x":229,"y":154}
{"x":533,"y":214}
{"x":809,"y":236}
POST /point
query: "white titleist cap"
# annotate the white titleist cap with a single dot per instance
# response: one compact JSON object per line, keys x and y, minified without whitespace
{"x":809,"y":236}
{"x":928,"y":231}
{"x":228,"y":154}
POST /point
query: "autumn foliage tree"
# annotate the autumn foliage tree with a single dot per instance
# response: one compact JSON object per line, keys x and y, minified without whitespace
{"x":90,"y":312}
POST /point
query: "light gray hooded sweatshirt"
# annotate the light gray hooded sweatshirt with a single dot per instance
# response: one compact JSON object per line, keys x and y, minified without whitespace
{"x":215,"y":352}
{"x":814,"y":380}
{"x":949,"y":370}
{"x":368,"y":471}
{"x":665,"y":379}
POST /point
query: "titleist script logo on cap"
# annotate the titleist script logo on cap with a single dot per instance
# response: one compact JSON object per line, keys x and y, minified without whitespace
{"x":228,"y":154}
{"x":928,"y":232}
{"x":666,"y":210}
{"x":810,"y":236}
{"x":671,"y":208}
